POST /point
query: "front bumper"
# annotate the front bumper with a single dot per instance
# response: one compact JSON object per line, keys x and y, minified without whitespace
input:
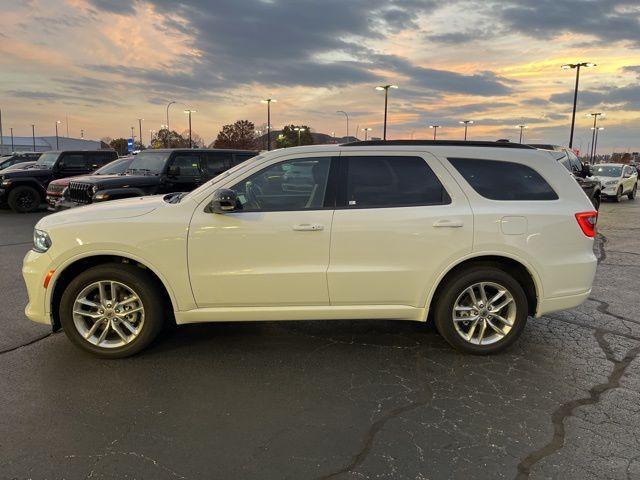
{"x":35,"y":267}
{"x":610,"y":190}
{"x":55,"y":204}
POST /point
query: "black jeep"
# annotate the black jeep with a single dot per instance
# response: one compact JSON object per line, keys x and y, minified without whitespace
{"x":156,"y":172}
{"x":24,"y":190}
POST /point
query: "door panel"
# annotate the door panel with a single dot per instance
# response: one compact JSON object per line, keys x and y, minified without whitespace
{"x":393,"y":255}
{"x":190,"y":175}
{"x":273,"y":251}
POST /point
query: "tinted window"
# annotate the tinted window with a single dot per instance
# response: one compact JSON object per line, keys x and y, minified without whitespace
{"x":241,"y":157}
{"x":216,"y":162}
{"x":73,"y":160}
{"x":149,"y":162}
{"x":290,"y":185}
{"x":189,"y":164}
{"x":392,"y":182}
{"x":504,"y":180}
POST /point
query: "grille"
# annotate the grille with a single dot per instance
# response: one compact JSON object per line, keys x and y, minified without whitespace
{"x":80,"y":192}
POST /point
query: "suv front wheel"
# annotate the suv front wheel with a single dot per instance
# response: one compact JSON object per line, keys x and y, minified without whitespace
{"x":112,"y":311}
{"x":481,"y":310}
{"x":24,"y":199}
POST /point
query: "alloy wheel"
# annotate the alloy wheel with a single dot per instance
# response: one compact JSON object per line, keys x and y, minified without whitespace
{"x":108,"y":314}
{"x":484,"y":313}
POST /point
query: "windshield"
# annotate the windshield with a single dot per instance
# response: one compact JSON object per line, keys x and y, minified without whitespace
{"x":149,"y":162}
{"x":115,"y":167}
{"x":608,"y":170}
{"x":217,"y":178}
{"x":48,"y":159}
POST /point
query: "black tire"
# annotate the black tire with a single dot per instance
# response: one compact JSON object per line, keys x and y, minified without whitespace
{"x":618,"y":196}
{"x":139,"y":280}
{"x":24,"y":199}
{"x":596,"y":200}
{"x":455,"y":286}
{"x":632,"y":194}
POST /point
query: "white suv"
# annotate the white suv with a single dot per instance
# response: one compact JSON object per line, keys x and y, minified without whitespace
{"x":617,"y":180}
{"x":475,"y":236}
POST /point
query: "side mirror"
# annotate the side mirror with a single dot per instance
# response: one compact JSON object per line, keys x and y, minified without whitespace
{"x":174,"y":171}
{"x":223,"y":201}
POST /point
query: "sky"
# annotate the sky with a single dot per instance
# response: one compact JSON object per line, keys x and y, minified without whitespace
{"x":102,"y":64}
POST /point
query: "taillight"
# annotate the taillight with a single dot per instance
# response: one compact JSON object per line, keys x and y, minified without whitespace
{"x":587,"y":222}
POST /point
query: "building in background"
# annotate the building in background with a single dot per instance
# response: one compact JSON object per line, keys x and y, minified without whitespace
{"x":44,"y":144}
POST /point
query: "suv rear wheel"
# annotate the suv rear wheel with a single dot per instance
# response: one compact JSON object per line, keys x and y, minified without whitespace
{"x":24,"y":199}
{"x":112,"y":311}
{"x":481,"y":310}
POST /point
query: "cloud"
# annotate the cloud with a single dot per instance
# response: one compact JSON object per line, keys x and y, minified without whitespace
{"x":626,"y":98}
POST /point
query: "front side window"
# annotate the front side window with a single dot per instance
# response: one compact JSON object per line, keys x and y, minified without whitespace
{"x":149,"y":162}
{"x":298,"y":184}
{"x":498,"y":180}
{"x":216,"y":163}
{"x":188,"y":164}
{"x":392,"y":182}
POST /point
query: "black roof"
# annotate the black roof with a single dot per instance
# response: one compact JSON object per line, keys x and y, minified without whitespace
{"x":187,"y":149}
{"x":440,"y":143}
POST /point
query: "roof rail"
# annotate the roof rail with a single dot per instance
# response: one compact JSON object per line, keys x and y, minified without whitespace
{"x":440,"y":143}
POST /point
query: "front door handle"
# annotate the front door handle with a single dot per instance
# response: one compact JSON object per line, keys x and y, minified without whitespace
{"x":448,"y":224}
{"x":308,"y":227}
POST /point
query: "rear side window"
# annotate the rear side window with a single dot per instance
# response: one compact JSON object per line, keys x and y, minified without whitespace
{"x":216,"y":162}
{"x":392,"y":182}
{"x":503,"y":180}
{"x":189,"y":164}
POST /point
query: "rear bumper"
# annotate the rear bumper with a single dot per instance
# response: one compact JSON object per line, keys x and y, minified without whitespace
{"x":549,"y":305}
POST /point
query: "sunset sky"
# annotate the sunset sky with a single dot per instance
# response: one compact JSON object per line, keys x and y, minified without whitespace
{"x":105,"y":63}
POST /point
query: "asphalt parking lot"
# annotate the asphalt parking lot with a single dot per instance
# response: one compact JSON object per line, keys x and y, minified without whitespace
{"x":321,"y":400}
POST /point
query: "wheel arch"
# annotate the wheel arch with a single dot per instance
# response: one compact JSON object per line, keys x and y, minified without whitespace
{"x":78,"y":265}
{"x":524,"y":274}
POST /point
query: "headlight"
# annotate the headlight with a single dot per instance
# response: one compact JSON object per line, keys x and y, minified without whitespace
{"x":41,"y":241}
{"x":6,"y":183}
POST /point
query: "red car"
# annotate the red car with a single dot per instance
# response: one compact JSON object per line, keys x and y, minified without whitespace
{"x":56,"y":189}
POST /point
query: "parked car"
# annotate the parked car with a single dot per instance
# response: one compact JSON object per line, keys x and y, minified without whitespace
{"x":474,"y":236}
{"x":17,"y":158}
{"x":57,"y":189}
{"x":24,"y":190}
{"x":158,"y":171}
{"x":617,"y":180}
{"x":582,"y":172}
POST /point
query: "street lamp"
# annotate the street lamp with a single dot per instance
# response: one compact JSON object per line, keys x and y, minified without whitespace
{"x":12,"y":148}
{"x":435,"y":130}
{"x":595,"y":116}
{"x":168,"y":105}
{"x":299,"y":130}
{"x":346,"y":115}
{"x":595,"y":142}
{"x":82,"y":133}
{"x":577,"y":66}
{"x":189,"y":112}
{"x":466,"y":124}
{"x":140,"y":129}
{"x":366,"y":131}
{"x":386,"y":98}
{"x":268,"y":102}
{"x":133,"y":136}
{"x":521,"y":127}
{"x":33,"y":136}
{"x":58,"y":122}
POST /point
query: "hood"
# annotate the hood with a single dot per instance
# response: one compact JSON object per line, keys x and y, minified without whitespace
{"x":116,"y":209}
{"x":29,"y":172}
{"x":118,"y":181}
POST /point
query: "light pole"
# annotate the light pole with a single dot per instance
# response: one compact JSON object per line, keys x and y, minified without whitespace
{"x":189,"y":112}
{"x":346,"y":115}
{"x":168,"y":105}
{"x":140,"y":129}
{"x":577,"y":67}
{"x":33,"y":136}
{"x":595,"y":116}
{"x":595,"y":142}
{"x":133,"y":136}
{"x":268,"y":102}
{"x":299,"y":130}
{"x":333,"y":136}
{"x":521,"y":127}
{"x":1,"y":135}
{"x":58,"y":122}
{"x":366,"y":131}
{"x":386,"y":101}
{"x":435,"y":130}
{"x":82,"y":133}
{"x":466,"y":124}
{"x":12,"y":147}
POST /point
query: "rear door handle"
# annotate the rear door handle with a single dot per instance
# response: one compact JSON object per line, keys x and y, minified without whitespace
{"x":308,"y":227}
{"x":448,"y":224}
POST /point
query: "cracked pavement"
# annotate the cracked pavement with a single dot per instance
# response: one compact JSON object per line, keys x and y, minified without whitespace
{"x":331,"y":400}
